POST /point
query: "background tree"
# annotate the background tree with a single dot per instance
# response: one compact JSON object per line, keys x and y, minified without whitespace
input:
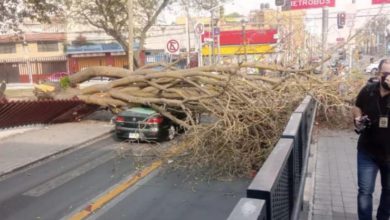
{"x":111,"y":16}
{"x":13,"y":12}
{"x":374,"y":36}
{"x":108,"y":15}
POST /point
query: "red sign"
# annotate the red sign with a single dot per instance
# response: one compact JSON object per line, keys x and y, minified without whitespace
{"x":306,"y":4}
{"x":376,"y":2}
{"x":236,"y":37}
{"x":173,"y":46}
{"x":199,"y":28}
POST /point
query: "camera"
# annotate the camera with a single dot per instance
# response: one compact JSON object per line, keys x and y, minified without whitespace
{"x":365,"y":123}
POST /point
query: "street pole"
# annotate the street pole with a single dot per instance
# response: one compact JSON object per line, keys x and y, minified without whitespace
{"x":245,"y":43}
{"x":213,"y":37}
{"x":188,"y":39}
{"x":27,"y":57}
{"x":188,"y":21}
{"x":291,"y":35}
{"x":325,"y":15}
{"x":200,"y":47}
{"x":131,"y":34}
{"x":243,"y":33}
{"x":219,"y":48}
{"x":209,"y":42}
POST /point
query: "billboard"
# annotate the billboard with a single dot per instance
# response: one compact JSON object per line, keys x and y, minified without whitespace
{"x":307,"y":4}
{"x":375,"y":2}
{"x":239,"y":49}
{"x":236,"y":37}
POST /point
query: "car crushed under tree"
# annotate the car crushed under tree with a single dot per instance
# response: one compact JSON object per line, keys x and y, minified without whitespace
{"x":144,"y":123}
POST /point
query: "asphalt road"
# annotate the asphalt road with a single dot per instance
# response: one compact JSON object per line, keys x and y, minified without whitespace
{"x":171,"y":196}
{"x":55,"y":188}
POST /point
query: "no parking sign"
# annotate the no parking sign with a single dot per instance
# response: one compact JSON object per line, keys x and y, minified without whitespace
{"x":173,"y":46}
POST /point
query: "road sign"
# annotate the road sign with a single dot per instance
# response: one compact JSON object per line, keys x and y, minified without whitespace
{"x":173,"y":46}
{"x":375,"y":2}
{"x":199,"y":28}
{"x":299,"y":4}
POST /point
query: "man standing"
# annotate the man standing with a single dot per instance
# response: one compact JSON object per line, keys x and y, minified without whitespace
{"x":371,"y":114}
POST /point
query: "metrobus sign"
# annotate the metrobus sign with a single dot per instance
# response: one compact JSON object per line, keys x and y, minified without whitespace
{"x":306,"y":4}
{"x":375,"y":2}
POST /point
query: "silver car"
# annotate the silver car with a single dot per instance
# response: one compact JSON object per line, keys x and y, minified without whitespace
{"x":372,"y":68}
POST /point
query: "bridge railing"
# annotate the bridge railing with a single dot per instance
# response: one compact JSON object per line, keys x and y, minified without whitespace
{"x":279,"y":184}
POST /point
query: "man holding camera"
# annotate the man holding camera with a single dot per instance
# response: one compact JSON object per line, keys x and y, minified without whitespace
{"x":371,"y":115}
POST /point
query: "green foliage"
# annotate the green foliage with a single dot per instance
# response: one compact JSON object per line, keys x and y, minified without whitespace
{"x":65,"y":82}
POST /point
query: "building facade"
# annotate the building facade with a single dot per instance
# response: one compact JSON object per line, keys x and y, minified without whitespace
{"x":31,"y":57}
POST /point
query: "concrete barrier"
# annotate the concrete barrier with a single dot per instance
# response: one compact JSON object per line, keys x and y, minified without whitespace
{"x":249,"y":209}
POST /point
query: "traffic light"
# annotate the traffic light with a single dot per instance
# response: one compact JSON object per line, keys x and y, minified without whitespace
{"x":341,"y":19}
{"x":279,"y":2}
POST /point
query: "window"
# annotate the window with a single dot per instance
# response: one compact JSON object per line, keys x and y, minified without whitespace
{"x":47,"y":46}
{"x":7,"y":48}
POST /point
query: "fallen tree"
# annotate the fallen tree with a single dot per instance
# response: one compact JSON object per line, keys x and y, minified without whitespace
{"x":249,"y":111}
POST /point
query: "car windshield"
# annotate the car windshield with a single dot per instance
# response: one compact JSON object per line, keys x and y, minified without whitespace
{"x":141,"y":110}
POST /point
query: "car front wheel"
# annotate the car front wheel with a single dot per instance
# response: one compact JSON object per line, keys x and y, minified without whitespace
{"x":171,"y":133}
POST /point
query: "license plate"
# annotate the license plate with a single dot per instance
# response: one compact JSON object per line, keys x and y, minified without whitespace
{"x":134,"y":135}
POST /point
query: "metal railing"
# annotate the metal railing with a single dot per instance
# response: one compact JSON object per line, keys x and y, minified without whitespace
{"x":281,"y":180}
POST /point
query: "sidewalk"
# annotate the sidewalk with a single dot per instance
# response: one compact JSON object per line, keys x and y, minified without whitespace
{"x":335,"y":177}
{"x":21,"y":147}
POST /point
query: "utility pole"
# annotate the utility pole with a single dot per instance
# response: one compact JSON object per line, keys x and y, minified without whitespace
{"x":291,"y":36}
{"x":243,"y":24}
{"x":213,"y":37}
{"x":27,"y":57}
{"x":188,"y":37}
{"x":131,"y":34}
{"x":325,"y":14}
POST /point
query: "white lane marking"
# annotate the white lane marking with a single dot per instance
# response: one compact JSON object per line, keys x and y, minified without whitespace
{"x":66,"y":177}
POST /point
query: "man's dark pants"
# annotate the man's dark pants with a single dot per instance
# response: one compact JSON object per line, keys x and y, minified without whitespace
{"x":367,"y":172}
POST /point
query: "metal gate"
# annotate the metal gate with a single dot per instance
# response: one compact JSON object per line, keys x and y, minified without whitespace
{"x":9,"y":72}
{"x":17,"y":113}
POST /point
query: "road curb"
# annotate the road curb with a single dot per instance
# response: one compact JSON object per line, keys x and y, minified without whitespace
{"x":63,"y":151}
{"x":312,"y":179}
